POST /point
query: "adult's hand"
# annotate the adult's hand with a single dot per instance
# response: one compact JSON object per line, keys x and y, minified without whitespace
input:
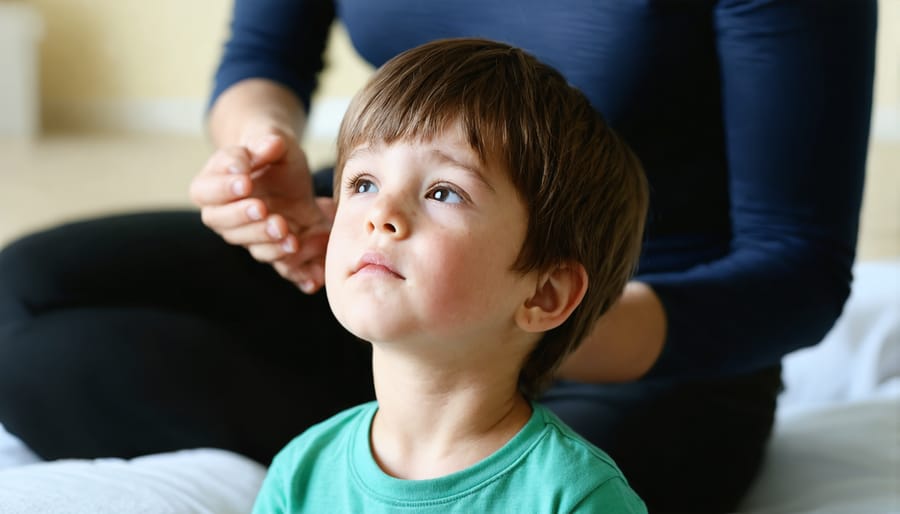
{"x":260,"y":196}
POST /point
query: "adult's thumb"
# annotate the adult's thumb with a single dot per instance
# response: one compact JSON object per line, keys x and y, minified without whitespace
{"x":266,"y":150}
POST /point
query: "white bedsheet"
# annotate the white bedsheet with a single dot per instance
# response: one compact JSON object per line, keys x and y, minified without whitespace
{"x":840,"y":459}
{"x":835,"y":448}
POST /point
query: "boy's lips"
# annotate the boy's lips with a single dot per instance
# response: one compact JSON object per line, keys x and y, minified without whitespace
{"x":377,"y":263}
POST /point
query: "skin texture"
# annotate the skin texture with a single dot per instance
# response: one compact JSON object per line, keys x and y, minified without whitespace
{"x":440,"y":228}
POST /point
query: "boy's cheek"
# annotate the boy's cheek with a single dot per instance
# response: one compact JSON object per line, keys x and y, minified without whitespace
{"x":334,"y":254}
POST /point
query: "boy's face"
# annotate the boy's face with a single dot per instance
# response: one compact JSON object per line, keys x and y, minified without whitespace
{"x":423,"y":243}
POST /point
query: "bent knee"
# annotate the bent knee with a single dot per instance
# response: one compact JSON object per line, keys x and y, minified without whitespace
{"x":28,"y":268}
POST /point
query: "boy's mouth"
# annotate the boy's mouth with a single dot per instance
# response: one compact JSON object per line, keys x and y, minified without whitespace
{"x":376,"y":263}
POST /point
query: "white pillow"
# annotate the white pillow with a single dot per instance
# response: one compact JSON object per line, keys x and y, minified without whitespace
{"x":202,"y":481}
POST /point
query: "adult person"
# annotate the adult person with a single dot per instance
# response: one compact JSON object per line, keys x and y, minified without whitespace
{"x":145,"y":333}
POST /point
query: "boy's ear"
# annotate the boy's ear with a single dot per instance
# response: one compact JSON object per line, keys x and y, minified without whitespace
{"x":556,"y":295}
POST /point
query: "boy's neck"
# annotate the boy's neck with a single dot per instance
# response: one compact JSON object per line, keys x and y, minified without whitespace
{"x":440,"y":419}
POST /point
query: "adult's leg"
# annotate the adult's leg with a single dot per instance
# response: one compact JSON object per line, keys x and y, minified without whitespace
{"x":144,"y":333}
{"x":693,"y":447}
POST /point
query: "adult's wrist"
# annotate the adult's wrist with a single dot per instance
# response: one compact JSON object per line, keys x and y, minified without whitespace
{"x":252,"y":109}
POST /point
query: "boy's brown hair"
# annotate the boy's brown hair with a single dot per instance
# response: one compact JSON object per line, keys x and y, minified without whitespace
{"x":584,"y":189}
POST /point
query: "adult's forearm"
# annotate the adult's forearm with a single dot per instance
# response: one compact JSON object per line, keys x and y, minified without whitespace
{"x":624,"y":344}
{"x":253,"y":108}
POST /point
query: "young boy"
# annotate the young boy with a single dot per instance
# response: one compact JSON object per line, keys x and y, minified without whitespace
{"x":486,"y":216}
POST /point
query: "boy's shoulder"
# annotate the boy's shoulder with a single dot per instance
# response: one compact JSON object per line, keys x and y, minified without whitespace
{"x":561,"y":441}
{"x":583,"y":473}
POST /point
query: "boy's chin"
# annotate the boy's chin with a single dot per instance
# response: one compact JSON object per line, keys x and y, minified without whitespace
{"x":375,"y":330}
{"x":394,"y":336}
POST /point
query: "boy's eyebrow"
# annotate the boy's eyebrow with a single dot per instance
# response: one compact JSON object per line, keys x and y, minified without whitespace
{"x":359,"y":151}
{"x":475,"y":171}
{"x":436,"y":154}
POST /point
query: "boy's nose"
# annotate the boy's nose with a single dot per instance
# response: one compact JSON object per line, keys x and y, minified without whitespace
{"x":388,"y":217}
{"x":385,"y":227}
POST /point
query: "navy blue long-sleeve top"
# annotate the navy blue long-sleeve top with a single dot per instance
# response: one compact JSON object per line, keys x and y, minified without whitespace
{"x":751,"y":119}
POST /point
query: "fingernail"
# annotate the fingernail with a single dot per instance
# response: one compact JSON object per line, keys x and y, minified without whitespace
{"x":261,"y":145}
{"x":253,"y":213}
{"x":235,"y":169}
{"x":239,"y":188}
{"x":272,"y":230}
{"x":307,"y":286}
{"x":288,"y":245}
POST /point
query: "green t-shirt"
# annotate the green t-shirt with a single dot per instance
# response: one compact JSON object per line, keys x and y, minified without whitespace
{"x":545,"y":468}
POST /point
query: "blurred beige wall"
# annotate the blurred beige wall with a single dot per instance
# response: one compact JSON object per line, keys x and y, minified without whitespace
{"x":109,"y":62}
{"x":887,"y":71}
{"x":122,"y":64}
{"x":129,"y":48}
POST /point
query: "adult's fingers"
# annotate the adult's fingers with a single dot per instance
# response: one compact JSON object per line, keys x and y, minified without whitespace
{"x":266,"y":150}
{"x":293,"y":254}
{"x":224,"y":178}
{"x":303,"y":263}
{"x":272,"y":230}
{"x":311,"y":247}
{"x":271,"y":252}
{"x":234,"y":214}
{"x":309,"y":277}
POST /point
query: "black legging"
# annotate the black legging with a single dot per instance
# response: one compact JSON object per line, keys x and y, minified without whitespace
{"x":147,"y":333}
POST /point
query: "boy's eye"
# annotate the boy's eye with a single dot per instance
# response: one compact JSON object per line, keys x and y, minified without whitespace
{"x":362,"y":185}
{"x":445,"y":194}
